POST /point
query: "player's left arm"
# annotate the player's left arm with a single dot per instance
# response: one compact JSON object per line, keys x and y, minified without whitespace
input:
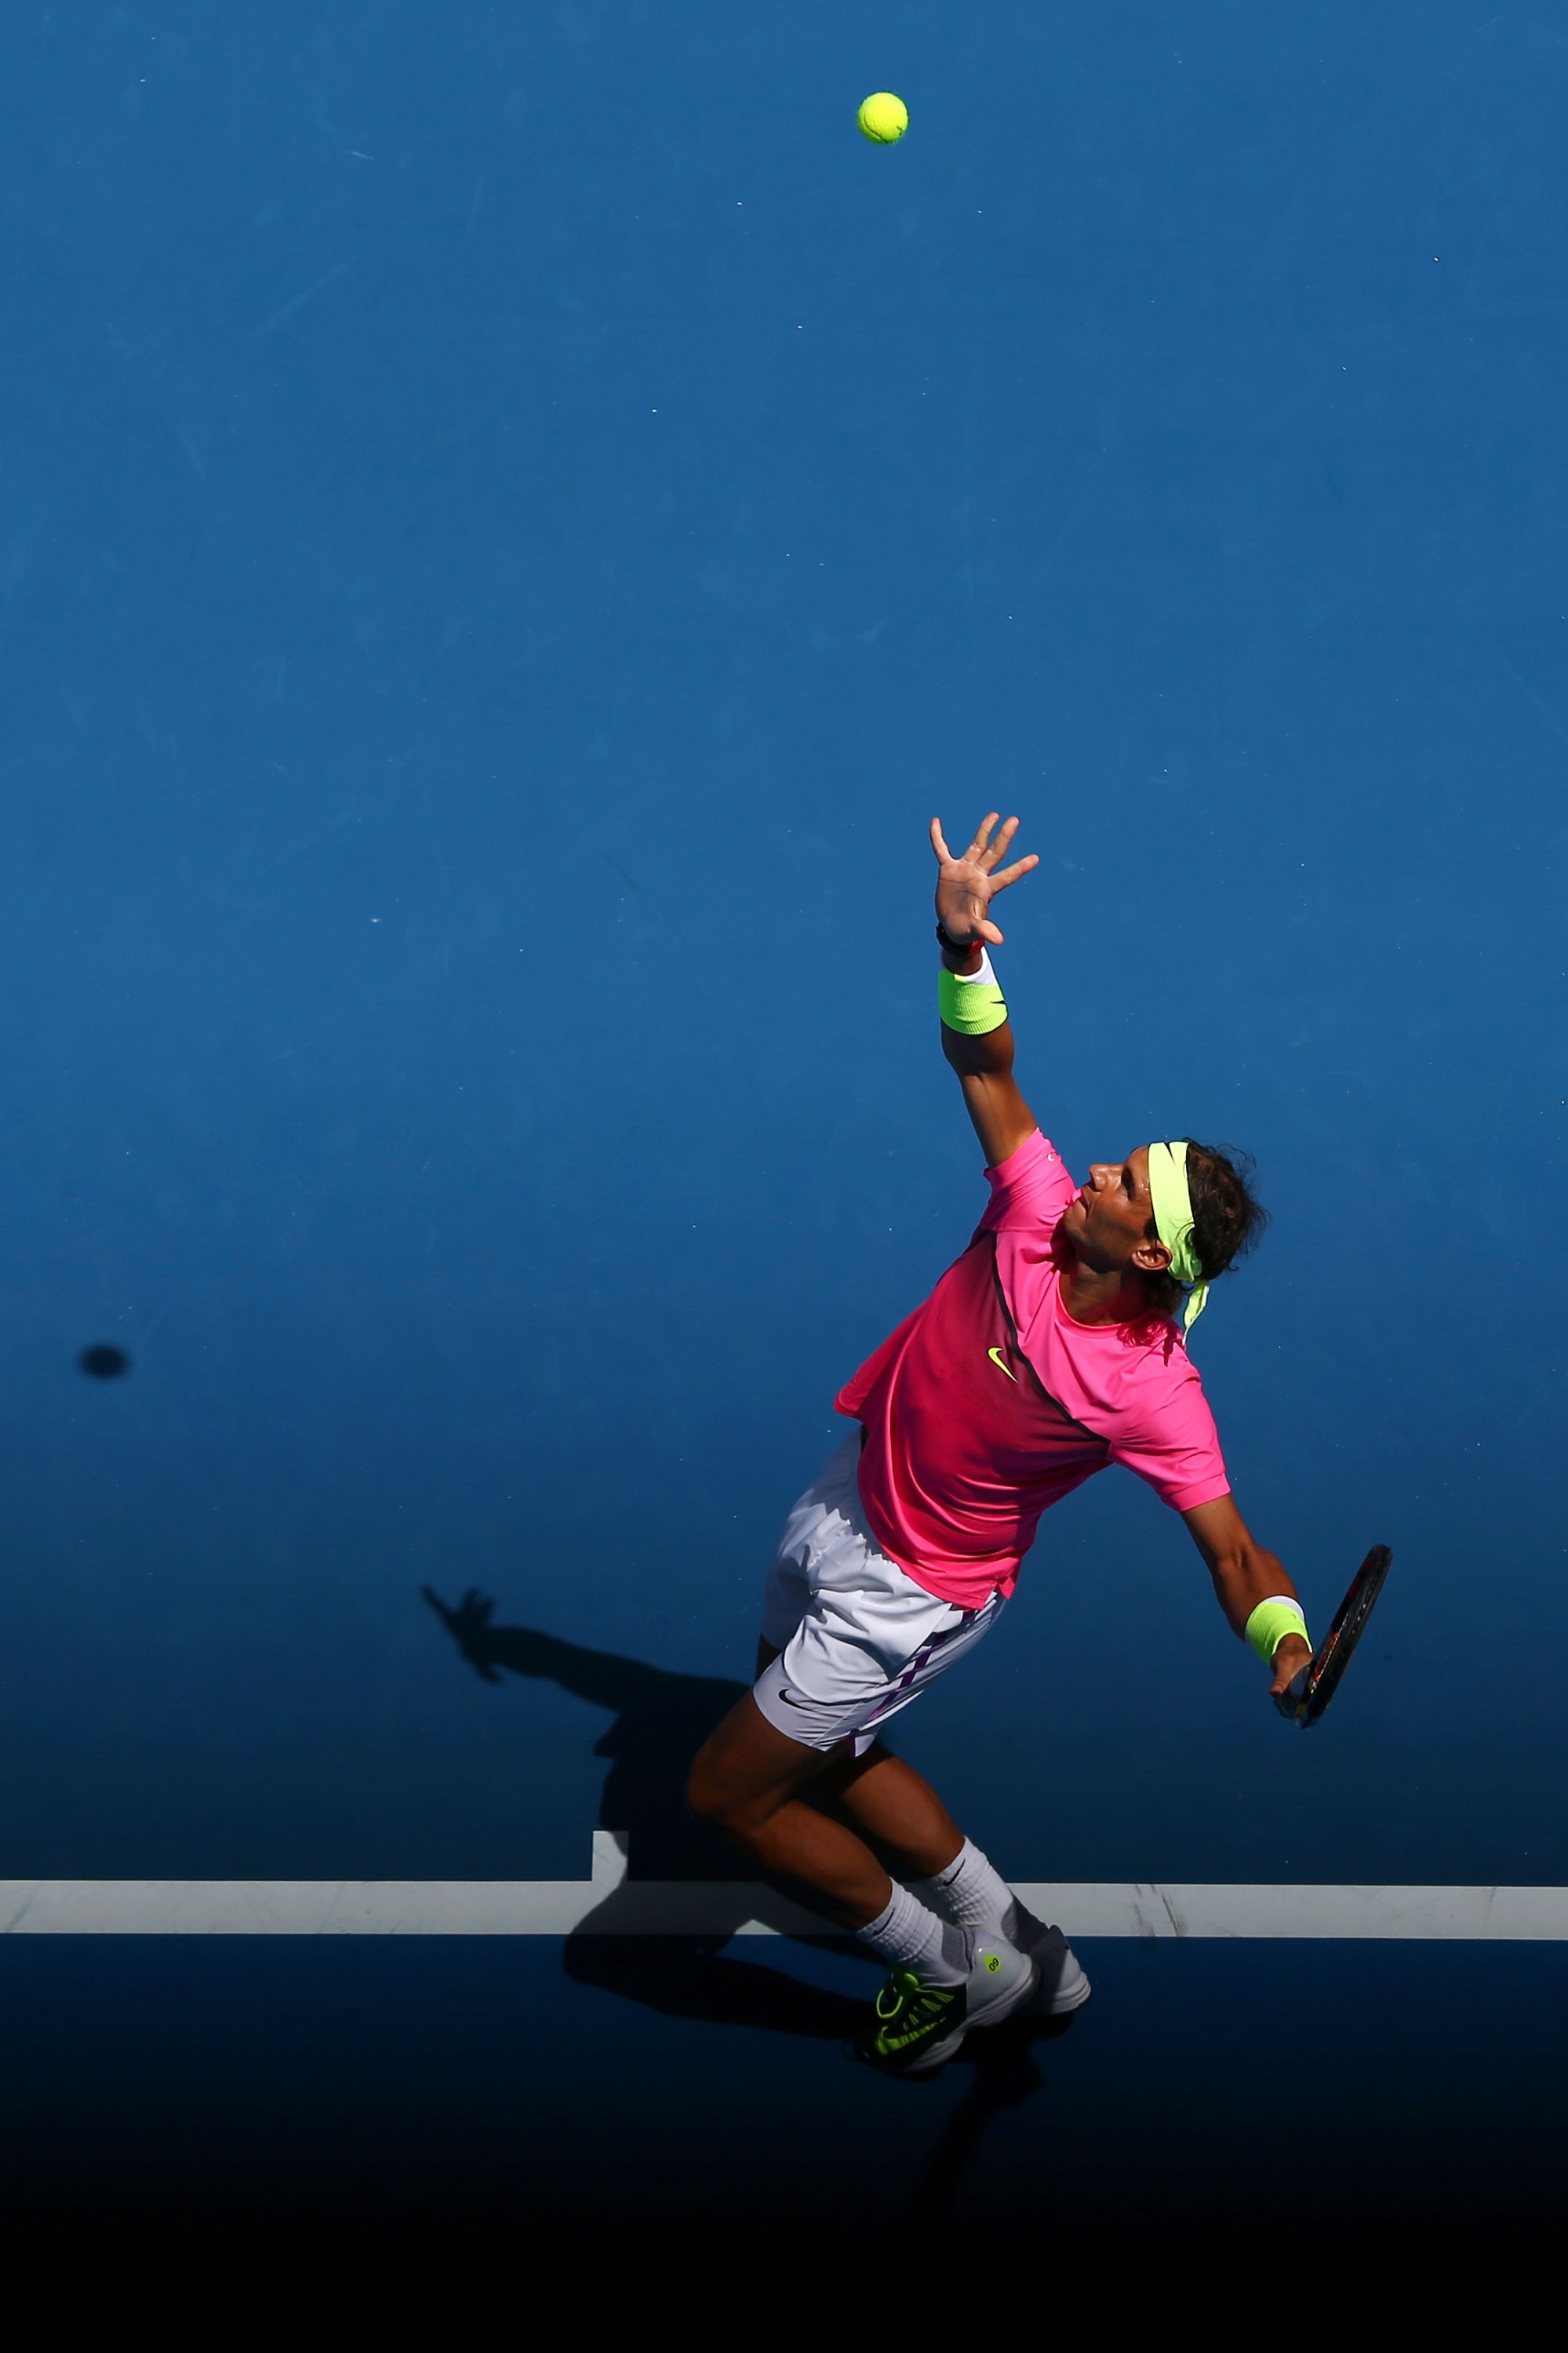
{"x":1245,"y":1572}
{"x":965,"y":886}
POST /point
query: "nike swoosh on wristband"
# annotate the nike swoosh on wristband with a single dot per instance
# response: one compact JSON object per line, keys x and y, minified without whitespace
{"x":995,"y":1356}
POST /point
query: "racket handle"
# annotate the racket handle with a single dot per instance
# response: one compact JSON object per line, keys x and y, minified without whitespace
{"x":1291,"y":1699}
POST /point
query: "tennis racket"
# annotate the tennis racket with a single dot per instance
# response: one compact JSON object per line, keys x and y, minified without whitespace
{"x":1310,"y":1691}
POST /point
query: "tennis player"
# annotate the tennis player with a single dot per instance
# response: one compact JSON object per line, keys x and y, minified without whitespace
{"x":1055,"y":1346}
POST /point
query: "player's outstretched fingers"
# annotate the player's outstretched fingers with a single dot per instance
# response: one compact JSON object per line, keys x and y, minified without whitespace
{"x":975,"y":853}
{"x":998,"y":848}
{"x":1010,"y":873}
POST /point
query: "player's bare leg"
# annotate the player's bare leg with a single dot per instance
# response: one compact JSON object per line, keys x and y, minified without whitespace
{"x":893,"y":1808}
{"x":764,"y":1791}
{"x":748,"y":1781}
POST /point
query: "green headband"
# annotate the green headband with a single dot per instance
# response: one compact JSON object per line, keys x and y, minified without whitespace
{"x":1173,"y":1222}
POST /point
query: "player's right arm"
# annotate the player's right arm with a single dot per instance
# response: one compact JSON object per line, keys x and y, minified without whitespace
{"x":1245,"y":1572}
{"x":966,"y":885}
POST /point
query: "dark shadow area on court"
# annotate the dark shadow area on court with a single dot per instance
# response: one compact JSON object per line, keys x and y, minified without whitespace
{"x":690,"y":1976}
{"x":1002,"y":2074}
{"x":661,"y":1718}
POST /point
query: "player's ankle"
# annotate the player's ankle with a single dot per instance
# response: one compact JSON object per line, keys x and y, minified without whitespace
{"x":907,"y":1935}
{"x":970,"y":1891}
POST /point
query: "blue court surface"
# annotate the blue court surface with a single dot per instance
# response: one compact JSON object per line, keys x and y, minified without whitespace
{"x":515,"y":518}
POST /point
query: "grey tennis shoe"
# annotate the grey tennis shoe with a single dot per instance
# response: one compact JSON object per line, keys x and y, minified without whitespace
{"x":1063,"y":1986}
{"x":917,"y":2027}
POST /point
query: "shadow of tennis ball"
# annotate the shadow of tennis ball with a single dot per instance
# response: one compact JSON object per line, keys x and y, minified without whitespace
{"x":104,"y":1363}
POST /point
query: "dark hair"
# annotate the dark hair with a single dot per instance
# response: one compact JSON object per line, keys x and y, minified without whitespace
{"x":1227,"y":1218}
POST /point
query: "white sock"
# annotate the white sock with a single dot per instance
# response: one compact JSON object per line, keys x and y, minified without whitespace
{"x":973,"y":1892}
{"x":907,"y":1936}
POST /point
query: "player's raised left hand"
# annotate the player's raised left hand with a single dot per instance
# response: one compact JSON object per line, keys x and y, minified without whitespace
{"x":967,"y":885}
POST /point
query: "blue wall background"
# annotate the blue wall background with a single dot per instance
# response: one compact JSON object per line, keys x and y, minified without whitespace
{"x":515,"y":518}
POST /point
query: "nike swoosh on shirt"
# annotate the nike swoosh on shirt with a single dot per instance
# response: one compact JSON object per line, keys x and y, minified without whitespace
{"x":995,"y":1356}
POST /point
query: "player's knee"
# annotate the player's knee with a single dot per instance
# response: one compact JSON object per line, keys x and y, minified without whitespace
{"x":716,"y":1798}
{"x":706,"y":1796}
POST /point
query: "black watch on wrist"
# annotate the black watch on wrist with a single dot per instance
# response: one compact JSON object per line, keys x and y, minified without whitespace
{"x":956,"y":947}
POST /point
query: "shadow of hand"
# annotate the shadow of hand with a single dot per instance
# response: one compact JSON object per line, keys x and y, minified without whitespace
{"x":469,"y":1628}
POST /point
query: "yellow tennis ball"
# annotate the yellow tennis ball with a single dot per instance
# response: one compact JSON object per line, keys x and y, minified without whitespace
{"x":883,"y":117}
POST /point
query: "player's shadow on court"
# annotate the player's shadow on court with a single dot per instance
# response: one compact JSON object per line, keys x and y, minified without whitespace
{"x":660,"y":1720}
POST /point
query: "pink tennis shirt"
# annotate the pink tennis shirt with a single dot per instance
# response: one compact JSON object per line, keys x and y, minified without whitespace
{"x":990,"y":1403}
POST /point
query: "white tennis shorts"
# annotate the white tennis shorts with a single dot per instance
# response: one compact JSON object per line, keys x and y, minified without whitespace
{"x":858,"y":1639}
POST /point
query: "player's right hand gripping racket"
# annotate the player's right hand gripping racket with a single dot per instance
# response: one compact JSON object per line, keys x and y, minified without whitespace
{"x":1309,"y":1692}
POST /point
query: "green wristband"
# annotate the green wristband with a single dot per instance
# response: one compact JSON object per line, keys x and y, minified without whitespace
{"x":1270,"y":1624}
{"x":973,"y":1006}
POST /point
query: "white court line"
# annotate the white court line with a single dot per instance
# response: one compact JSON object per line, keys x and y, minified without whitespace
{"x":610,"y":1905}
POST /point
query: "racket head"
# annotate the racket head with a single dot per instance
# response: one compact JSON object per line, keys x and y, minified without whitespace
{"x":1334,"y":1653}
